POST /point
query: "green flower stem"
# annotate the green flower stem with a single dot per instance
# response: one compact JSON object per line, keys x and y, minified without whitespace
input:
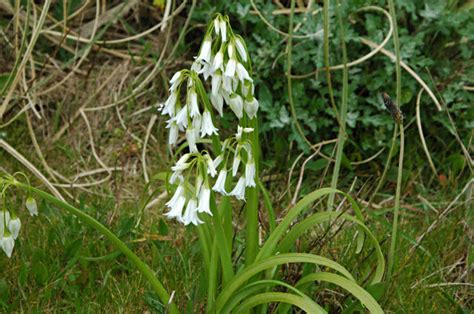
{"x":212,"y":281}
{"x":251,"y":206}
{"x":223,"y":247}
{"x":396,"y":210}
{"x":396,"y":44}
{"x":341,"y":138}
{"x":387,"y":166}
{"x":146,"y":271}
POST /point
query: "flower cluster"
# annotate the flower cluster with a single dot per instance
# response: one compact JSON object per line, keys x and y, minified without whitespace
{"x":10,"y":226}
{"x":224,"y":62}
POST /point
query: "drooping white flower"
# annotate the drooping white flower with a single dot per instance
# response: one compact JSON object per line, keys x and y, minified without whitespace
{"x":191,"y":213}
{"x":236,"y":161}
{"x":250,"y":173}
{"x":176,"y":77}
{"x":217,"y":102}
{"x":205,"y":53}
{"x":223,"y":30}
{"x":193,"y":104}
{"x":207,"y":69}
{"x":173,"y":134}
{"x":227,"y":84}
{"x":170,"y":104}
{"x":211,"y":169}
{"x":218,"y":61}
{"x":239,"y":189}
{"x":248,"y":89}
{"x":181,"y":118}
{"x":236,"y":104}
{"x":230,"y":50}
{"x":204,"y":198}
{"x":251,"y":107}
{"x":241,"y":130}
{"x":182,"y":163}
{"x":176,"y":211}
{"x":175,"y":177}
{"x":31,"y":206}
{"x":242,"y":72}
{"x":216,"y":84}
{"x":7,"y":243}
{"x":230,"y":68}
{"x":177,"y":194}
{"x":218,"y":160}
{"x":14,"y":225}
{"x":216,"y":26}
{"x":207,"y":127}
{"x":219,"y":186}
{"x":241,"y":48}
{"x":191,"y":137}
{"x":176,"y":80}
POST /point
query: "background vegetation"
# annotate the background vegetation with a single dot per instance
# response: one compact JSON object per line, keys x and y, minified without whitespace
{"x":83,"y":111}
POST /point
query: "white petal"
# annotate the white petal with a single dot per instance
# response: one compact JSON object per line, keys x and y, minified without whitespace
{"x":218,"y":61}
{"x":236,"y":104}
{"x":241,"y":49}
{"x":219,"y":186}
{"x":204,"y":198}
{"x":223,"y":29}
{"x":230,"y":68}
{"x":14,"y":226}
{"x":251,"y":108}
{"x":31,"y":206}
{"x":207,"y":127}
{"x":7,"y":243}
{"x":239,"y":189}
{"x":218,"y":103}
{"x":205,"y":53}
{"x":191,"y":136}
{"x":250,"y":174}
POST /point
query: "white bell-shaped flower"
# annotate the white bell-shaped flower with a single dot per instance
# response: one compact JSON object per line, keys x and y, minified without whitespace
{"x":14,"y":225}
{"x":193,"y":104}
{"x":205,"y":53}
{"x":251,"y":107}
{"x":236,"y":104}
{"x":204,"y":199}
{"x":191,"y":137}
{"x":32,"y":206}
{"x":218,"y":61}
{"x":219,"y":186}
{"x":230,"y":68}
{"x":250,"y":173}
{"x":7,"y":243}
{"x":241,"y":48}
{"x":207,"y":127}
{"x":223,"y":30}
{"x":191,"y":214}
{"x":239,"y":189}
{"x":217,"y":102}
{"x":173,"y":133}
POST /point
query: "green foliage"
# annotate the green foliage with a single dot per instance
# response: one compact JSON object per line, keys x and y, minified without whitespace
{"x":435,"y":40}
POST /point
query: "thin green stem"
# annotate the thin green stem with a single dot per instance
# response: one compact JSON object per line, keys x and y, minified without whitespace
{"x":326,"y":57}
{"x":341,"y":138}
{"x":387,"y":166}
{"x":251,"y":206}
{"x":393,"y":241}
{"x":212,"y":281}
{"x":146,"y":271}
{"x":289,"y":48}
{"x":396,"y":43}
